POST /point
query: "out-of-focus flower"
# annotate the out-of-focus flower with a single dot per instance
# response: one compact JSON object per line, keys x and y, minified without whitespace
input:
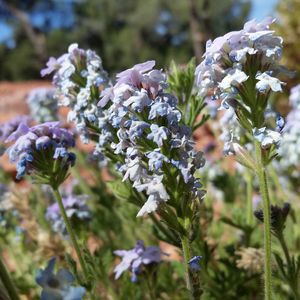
{"x":194,"y":263}
{"x":42,"y":150}
{"x":75,"y":206}
{"x":289,"y":149}
{"x":58,"y":286}
{"x":43,"y":105}
{"x":7,"y":128}
{"x":136,"y":259}
{"x":252,"y":260}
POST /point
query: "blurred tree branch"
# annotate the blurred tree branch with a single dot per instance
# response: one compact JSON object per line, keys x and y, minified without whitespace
{"x":37,"y":39}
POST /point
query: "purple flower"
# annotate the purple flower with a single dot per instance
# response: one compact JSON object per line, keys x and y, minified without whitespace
{"x":36,"y":148}
{"x":133,"y":75}
{"x":75,"y":207}
{"x":7,"y":128}
{"x":136,"y":259}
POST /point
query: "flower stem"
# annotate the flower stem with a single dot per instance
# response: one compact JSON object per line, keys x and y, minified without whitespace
{"x":7,"y":282}
{"x":249,"y":199}
{"x":263,"y":184}
{"x":187,"y":256}
{"x":192,"y":279}
{"x":71,"y":233}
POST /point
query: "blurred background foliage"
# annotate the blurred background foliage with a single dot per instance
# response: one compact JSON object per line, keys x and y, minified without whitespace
{"x":123,"y":33}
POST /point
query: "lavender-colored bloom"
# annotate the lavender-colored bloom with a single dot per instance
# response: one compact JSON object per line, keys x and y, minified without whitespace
{"x":58,"y":286}
{"x":75,"y":206}
{"x":145,"y":119}
{"x":224,"y":66}
{"x":136,"y":259}
{"x":194,"y":263}
{"x":29,"y":142}
{"x":7,"y":128}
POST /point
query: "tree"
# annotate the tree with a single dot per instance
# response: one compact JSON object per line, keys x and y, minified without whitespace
{"x":122,"y":32}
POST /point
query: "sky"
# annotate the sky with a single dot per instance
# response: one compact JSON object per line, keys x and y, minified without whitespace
{"x":260,"y":9}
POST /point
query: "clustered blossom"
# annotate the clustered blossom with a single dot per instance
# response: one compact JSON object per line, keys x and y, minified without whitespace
{"x":43,"y":105}
{"x":35,"y":149}
{"x":240,"y":68}
{"x":142,"y":124}
{"x":58,"y":286}
{"x":227,"y":59}
{"x":79,"y":77}
{"x":289,"y":150}
{"x":136,"y":259}
{"x":75,"y":207}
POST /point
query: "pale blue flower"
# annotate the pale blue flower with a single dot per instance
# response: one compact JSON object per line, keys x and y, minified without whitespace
{"x":158,"y":134}
{"x":58,"y":286}
{"x":267,"y":82}
{"x":266,"y":137}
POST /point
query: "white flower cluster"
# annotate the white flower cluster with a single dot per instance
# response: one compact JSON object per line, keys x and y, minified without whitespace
{"x":79,"y":77}
{"x":142,"y":125}
{"x":230,"y":60}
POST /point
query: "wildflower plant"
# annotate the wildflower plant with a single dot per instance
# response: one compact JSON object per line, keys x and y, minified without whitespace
{"x":141,"y":126}
{"x":42,"y":151}
{"x":241,"y":69}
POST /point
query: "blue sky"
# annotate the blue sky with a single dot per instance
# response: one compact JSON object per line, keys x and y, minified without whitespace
{"x":260,"y":9}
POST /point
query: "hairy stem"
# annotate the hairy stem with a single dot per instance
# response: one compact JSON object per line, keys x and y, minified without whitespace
{"x":249,"y":199}
{"x":71,"y":233}
{"x":263,"y":184}
{"x":7,"y":282}
{"x":192,"y":280}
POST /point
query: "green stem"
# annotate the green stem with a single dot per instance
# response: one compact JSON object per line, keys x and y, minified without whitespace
{"x":187,"y":256}
{"x":249,"y":199}
{"x":262,"y":178}
{"x":71,"y":233}
{"x":7,"y":282}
